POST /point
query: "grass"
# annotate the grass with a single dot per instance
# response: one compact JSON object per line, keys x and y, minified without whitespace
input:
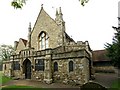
{"x":17,"y":87}
{"x":4,"y":79}
{"x":116,"y":84}
{"x":0,"y":77}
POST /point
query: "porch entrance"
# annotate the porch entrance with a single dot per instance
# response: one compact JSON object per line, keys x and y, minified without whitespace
{"x":27,"y":69}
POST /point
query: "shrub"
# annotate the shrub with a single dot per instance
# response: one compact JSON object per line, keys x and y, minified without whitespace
{"x":92,"y":86}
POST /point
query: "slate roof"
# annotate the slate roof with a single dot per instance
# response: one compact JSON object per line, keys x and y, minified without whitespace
{"x":100,"y":55}
{"x":24,"y":41}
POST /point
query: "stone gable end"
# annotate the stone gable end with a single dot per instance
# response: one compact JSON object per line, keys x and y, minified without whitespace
{"x":20,"y":46}
{"x":47,"y":24}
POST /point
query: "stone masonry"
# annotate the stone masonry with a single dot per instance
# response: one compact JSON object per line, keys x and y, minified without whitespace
{"x":50,"y":55}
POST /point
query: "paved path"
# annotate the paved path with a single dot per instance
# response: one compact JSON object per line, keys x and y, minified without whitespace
{"x":37,"y":84}
{"x":105,"y":79}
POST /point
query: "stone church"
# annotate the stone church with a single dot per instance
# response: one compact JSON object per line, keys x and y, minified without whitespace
{"x":50,"y":54}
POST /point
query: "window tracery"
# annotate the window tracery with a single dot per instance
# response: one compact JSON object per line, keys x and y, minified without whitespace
{"x":43,"y":41}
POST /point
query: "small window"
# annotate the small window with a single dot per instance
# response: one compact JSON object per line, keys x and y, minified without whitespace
{"x":24,"y":53}
{"x":16,"y":65}
{"x":5,"y":67}
{"x":29,"y":52}
{"x":39,"y":65}
{"x":55,"y":66}
{"x":70,"y":66}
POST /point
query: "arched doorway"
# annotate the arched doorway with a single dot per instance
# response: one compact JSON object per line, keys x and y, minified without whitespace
{"x":27,"y":68}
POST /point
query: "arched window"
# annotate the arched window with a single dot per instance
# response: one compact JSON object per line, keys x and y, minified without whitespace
{"x":43,"y":41}
{"x":70,"y":66}
{"x":55,"y":66}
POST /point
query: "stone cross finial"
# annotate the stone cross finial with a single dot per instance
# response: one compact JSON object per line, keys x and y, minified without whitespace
{"x":41,"y":5}
{"x":29,"y":28}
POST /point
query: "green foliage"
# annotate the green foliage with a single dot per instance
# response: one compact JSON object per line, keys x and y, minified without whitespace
{"x":19,"y":3}
{"x":5,"y":52}
{"x":113,"y":50}
{"x":16,"y":4}
{"x":83,"y":2}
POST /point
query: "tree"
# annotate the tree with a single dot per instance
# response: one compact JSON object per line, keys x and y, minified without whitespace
{"x":5,"y":52}
{"x":19,"y":3}
{"x":113,"y":50}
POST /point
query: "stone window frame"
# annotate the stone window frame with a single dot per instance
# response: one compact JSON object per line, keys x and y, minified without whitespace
{"x":55,"y":66}
{"x":69,"y":67}
{"x":39,"y":64}
{"x":43,"y":41}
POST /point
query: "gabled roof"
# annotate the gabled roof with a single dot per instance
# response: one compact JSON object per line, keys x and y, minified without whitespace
{"x":24,"y":41}
{"x":45,"y":13}
{"x":68,"y":37}
{"x":42,"y":11}
{"x":100,"y":55}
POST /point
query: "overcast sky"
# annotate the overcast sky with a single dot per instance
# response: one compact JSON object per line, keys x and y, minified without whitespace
{"x":93,"y":22}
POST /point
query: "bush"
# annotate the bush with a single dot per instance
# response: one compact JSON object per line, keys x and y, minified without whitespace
{"x":92,"y":86}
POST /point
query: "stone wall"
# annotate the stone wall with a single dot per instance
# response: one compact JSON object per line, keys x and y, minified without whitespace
{"x":7,"y":69}
{"x":79,"y":75}
{"x":80,"y":58}
{"x":38,"y":75}
{"x":104,"y":69}
{"x":47,"y":24}
{"x":82,"y":62}
{"x":17,"y":74}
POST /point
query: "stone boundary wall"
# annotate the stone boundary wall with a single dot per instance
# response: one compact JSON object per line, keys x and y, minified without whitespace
{"x":104,"y":69}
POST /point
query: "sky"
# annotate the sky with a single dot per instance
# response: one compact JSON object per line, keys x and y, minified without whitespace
{"x":92,"y":23}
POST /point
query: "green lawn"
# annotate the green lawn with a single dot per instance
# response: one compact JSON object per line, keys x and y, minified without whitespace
{"x":116,"y":84}
{"x":14,"y":87}
{"x":17,"y":86}
{"x":0,"y":77}
{"x":4,"y":79}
